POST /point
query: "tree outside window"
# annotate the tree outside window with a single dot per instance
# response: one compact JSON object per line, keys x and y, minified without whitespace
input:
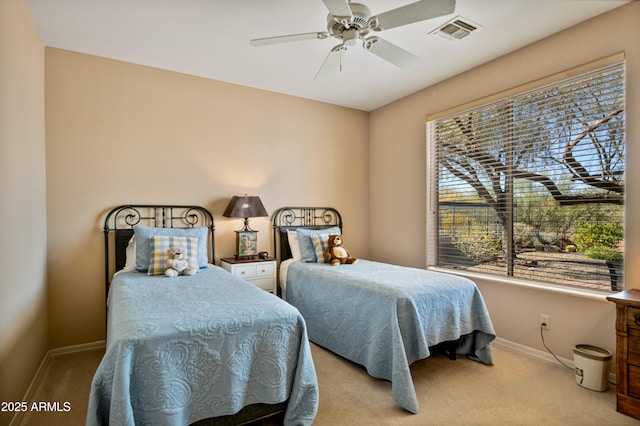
{"x":545,"y":165}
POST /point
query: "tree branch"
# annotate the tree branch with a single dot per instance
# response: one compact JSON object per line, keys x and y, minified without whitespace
{"x":580,"y":171}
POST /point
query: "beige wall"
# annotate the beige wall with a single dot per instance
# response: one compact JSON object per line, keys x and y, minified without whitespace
{"x":397,"y":161}
{"x":121,"y":133}
{"x":23,"y":310}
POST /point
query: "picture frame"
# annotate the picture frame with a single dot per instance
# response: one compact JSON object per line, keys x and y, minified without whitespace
{"x":246,"y":244}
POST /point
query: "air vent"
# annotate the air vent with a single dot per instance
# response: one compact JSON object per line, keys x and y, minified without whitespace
{"x":456,"y":29}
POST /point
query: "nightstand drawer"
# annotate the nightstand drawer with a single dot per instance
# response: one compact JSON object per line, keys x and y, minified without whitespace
{"x":634,"y":381}
{"x":633,"y":317}
{"x":263,"y":283}
{"x":634,"y":347}
{"x":265,"y":270}
{"x":245,"y":271}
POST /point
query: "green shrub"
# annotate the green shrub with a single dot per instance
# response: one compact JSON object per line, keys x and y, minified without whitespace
{"x":477,"y":242}
{"x":599,"y":240}
{"x":523,"y":235}
{"x":548,"y":238}
{"x":604,"y":253}
{"x":590,"y":235}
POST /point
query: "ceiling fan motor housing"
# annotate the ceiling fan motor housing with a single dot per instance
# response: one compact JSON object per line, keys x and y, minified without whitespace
{"x":350,"y":29}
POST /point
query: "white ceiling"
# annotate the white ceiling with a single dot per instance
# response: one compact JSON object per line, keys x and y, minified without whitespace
{"x":210,"y":38}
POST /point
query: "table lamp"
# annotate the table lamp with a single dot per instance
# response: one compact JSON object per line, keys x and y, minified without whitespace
{"x":246,"y":239}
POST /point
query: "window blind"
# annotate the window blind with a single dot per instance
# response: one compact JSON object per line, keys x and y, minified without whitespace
{"x":531,"y":186}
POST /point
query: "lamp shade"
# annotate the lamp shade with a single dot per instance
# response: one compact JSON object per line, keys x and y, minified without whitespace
{"x":245,"y":206}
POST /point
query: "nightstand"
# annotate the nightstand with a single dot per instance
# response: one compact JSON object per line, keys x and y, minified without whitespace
{"x":628,"y":351}
{"x":259,"y":272}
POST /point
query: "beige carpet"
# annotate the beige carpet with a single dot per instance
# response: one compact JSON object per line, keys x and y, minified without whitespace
{"x":517,"y":390}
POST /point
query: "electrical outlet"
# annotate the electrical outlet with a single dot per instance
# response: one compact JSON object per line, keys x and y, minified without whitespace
{"x":545,"y":322}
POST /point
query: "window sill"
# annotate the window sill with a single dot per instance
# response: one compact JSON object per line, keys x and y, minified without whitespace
{"x":557,"y":289}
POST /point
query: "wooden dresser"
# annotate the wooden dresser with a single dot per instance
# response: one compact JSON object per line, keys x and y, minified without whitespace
{"x":628,"y":351}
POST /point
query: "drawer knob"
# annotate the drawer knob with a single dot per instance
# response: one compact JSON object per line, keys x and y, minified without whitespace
{"x":636,"y":317}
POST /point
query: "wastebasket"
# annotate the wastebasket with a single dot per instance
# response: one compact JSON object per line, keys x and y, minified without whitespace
{"x":592,"y":367}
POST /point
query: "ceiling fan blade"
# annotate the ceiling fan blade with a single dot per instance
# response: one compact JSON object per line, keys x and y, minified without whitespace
{"x":339,"y":8}
{"x":390,"y":52}
{"x":332,"y":63}
{"x":288,"y":38}
{"x":414,"y":12}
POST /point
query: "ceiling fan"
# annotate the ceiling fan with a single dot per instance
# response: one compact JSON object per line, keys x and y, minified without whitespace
{"x":352,"y":23}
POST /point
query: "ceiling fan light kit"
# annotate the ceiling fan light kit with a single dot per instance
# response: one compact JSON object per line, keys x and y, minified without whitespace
{"x":350,"y":37}
{"x":352,"y":22}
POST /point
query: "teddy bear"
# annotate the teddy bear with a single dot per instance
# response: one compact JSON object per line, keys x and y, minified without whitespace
{"x":177,"y":264}
{"x":335,"y":254}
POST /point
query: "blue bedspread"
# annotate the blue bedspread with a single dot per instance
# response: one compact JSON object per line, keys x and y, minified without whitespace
{"x":385,"y":317}
{"x":187,"y":348}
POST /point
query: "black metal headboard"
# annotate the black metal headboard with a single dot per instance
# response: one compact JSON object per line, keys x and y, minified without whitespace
{"x":121,"y":220}
{"x":290,"y":218}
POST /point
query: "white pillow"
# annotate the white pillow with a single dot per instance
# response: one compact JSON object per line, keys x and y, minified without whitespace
{"x":130,"y":253}
{"x":294,"y":245}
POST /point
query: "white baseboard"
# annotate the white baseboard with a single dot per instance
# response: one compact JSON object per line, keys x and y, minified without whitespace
{"x":531,"y":351}
{"x":543,"y":355}
{"x":52,"y":353}
{"x":28,"y":396}
{"x":78,"y":348}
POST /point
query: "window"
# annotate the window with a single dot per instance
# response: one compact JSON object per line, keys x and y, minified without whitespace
{"x":531,"y":185}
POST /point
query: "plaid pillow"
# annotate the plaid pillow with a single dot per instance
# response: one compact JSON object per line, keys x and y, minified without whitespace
{"x":159,"y":246}
{"x":144,"y":235}
{"x":320,"y":242}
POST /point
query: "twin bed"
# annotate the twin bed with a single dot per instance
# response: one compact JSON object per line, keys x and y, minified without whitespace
{"x":203,"y":349}
{"x":214,"y":349}
{"x":381,"y":316}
